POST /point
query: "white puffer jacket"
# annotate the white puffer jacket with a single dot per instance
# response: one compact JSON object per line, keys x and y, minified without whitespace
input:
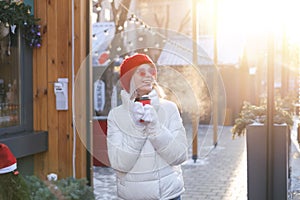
{"x":148,"y":167}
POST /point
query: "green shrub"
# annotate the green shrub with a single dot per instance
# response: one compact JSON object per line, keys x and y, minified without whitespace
{"x":251,"y":114}
{"x":13,"y":187}
{"x":75,"y":189}
{"x":38,"y":189}
{"x":64,"y":189}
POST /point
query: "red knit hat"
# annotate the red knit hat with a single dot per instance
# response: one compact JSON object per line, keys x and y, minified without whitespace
{"x":8,"y":162}
{"x":128,"y":67}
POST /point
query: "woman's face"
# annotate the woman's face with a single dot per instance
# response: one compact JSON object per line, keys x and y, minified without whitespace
{"x":144,"y":77}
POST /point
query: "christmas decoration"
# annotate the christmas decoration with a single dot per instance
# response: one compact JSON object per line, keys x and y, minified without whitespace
{"x":12,"y":184}
{"x":18,"y":15}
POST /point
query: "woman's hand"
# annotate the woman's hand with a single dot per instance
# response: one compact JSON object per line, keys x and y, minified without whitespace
{"x":137,"y":112}
{"x":145,"y":116}
{"x":151,"y":119}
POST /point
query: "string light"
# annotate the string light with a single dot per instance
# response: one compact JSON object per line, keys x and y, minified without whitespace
{"x":133,"y":19}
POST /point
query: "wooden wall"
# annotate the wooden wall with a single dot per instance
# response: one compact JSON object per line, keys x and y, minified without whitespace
{"x":52,"y":61}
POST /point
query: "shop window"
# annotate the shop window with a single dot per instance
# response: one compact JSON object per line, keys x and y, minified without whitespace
{"x":16,"y":100}
{"x":15,"y":85}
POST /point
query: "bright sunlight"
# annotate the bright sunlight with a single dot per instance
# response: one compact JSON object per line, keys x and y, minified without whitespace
{"x":259,"y":18}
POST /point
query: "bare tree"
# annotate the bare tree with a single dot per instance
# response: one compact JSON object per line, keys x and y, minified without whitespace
{"x":120,"y":13}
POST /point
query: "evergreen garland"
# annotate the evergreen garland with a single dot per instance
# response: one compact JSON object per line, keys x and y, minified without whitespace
{"x":13,"y":187}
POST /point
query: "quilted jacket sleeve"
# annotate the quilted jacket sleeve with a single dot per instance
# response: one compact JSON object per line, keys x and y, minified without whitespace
{"x":170,"y":138}
{"x":123,"y":148}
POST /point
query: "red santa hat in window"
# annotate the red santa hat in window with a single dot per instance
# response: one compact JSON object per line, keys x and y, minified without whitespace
{"x":8,"y":162}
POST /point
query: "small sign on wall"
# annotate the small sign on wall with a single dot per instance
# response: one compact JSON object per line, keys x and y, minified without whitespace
{"x":61,"y":93}
{"x":99,"y":95}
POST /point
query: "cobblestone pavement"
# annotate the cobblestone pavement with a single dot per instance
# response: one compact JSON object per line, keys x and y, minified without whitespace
{"x":220,"y":172}
{"x":295,"y":164}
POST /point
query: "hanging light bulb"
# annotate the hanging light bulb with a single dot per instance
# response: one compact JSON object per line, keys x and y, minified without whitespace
{"x":120,"y":28}
{"x":142,"y":25}
{"x":140,"y":39}
{"x":119,"y":48}
{"x":132,"y":18}
{"x":137,"y":22}
{"x":98,"y":7}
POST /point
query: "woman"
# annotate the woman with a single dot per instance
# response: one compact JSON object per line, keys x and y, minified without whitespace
{"x":146,"y":143}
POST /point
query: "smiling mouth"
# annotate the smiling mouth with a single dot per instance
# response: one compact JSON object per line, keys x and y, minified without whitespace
{"x":147,"y":82}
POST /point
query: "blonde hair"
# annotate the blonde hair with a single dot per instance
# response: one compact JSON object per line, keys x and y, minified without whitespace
{"x":160,"y":91}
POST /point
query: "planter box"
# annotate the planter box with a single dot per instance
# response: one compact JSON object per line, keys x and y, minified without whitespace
{"x":257,"y":162}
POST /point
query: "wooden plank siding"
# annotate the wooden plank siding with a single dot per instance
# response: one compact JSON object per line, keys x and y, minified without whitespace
{"x":40,"y":88}
{"x":81,"y":52}
{"x":50,"y":62}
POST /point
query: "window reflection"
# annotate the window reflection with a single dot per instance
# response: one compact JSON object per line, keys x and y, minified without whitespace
{"x":9,"y":83}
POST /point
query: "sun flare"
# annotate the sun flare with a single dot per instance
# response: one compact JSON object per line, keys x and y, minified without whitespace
{"x":259,"y":17}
